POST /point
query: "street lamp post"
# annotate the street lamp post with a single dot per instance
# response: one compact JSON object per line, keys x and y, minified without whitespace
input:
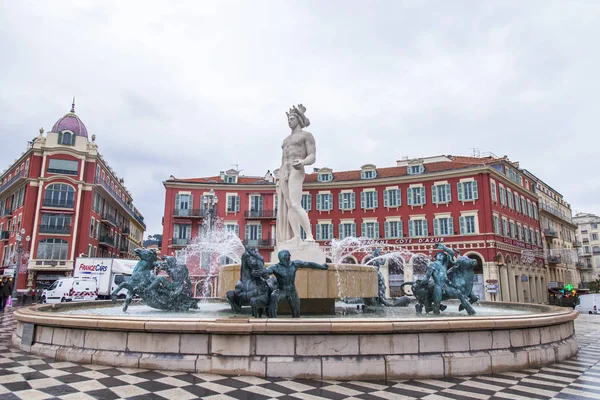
{"x":210,"y":210}
{"x":210,"y":207}
{"x":19,"y":240}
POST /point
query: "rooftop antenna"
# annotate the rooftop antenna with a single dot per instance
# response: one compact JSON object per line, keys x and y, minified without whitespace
{"x":237,"y":167}
{"x":476,"y":152}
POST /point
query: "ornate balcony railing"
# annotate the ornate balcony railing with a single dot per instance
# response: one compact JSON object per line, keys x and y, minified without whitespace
{"x":107,"y":241}
{"x":180,"y":242}
{"x":553,"y":259}
{"x":11,"y":181}
{"x":189,"y":213}
{"x":55,"y":229}
{"x":260,"y":214}
{"x":58,"y":203}
{"x":115,"y":196}
{"x":550,"y":233}
{"x":577,"y":243}
{"x":260,"y":243}
{"x":583,"y":265}
{"x":109,"y":219}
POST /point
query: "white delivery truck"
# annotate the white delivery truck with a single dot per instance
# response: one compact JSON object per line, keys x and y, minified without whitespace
{"x":108,"y":273}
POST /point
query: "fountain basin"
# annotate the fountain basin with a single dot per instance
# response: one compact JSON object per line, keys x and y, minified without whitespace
{"x":317,"y":289}
{"x":319,"y":348}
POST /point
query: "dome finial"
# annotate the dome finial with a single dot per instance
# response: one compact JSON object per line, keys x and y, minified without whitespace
{"x":73,"y":105}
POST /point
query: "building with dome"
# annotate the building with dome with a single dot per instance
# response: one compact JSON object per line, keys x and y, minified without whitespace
{"x":62,"y":200}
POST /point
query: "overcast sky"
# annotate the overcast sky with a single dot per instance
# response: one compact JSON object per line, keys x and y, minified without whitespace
{"x":192,"y":88}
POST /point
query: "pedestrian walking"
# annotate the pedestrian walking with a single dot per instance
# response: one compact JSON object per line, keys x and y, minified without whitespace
{"x":5,"y":292}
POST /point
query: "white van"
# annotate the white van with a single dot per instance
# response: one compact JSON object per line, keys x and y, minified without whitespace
{"x":588,"y":303}
{"x":71,"y":289}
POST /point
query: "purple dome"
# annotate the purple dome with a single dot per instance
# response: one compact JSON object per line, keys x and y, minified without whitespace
{"x":72,"y":123}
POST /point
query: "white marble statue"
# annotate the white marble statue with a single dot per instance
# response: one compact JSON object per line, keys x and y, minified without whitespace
{"x":298,"y":150}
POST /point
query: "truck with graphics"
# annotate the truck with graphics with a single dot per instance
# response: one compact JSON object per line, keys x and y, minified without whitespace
{"x":108,"y":272}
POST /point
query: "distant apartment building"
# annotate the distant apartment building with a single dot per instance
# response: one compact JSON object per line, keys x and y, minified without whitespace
{"x":588,"y":237}
{"x":559,"y":232}
{"x":68,"y":201}
{"x":483,"y":206}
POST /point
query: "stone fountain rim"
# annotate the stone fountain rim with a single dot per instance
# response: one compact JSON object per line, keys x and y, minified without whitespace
{"x":43,"y":314}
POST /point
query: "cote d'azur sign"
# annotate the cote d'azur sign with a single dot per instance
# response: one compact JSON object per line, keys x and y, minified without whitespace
{"x":419,"y":240}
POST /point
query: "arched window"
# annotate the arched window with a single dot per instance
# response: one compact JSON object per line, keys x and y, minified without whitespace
{"x":395,"y":267}
{"x":59,"y":195}
{"x":66,"y":138}
{"x":52,"y":249}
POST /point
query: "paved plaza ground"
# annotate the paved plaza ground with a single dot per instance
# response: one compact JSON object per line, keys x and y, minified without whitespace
{"x":24,"y":376}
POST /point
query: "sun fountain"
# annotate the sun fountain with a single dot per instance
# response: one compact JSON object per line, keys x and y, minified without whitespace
{"x":381,"y":343}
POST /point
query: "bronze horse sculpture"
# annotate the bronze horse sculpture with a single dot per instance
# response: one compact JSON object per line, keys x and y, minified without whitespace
{"x":251,"y":290}
{"x":158,"y":292}
{"x":453,"y":283}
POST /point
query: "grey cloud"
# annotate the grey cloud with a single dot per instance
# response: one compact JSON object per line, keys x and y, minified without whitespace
{"x":200,"y":86}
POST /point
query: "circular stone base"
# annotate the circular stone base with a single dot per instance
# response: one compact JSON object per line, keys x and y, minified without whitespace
{"x":318,"y":348}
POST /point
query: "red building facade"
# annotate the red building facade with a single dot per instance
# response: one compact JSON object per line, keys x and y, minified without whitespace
{"x":484,"y":207}
{"x":63,"y":196}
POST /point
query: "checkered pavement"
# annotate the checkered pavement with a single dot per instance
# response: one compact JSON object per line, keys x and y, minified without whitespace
{"x":24,"y":376}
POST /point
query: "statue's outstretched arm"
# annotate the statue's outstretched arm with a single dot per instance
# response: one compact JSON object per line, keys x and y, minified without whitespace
{"x":309,"y":264}
{"x":451,"y":252}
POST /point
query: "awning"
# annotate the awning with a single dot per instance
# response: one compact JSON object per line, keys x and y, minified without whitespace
{"x":50,"y":269}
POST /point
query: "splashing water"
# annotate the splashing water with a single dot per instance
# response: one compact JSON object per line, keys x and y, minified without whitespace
{"x":214,"y":246}
{"x":344,"y":251}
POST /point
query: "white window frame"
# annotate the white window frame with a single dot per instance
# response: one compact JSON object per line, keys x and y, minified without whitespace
{"x":502,"y":194}
{"x":463,"y":222}
{"x":370,"y":224}
{"x":342,"y":227}
{"x":236,"y":203}
{"x":437,"y":189}
{"x":497,"y":222}
{"x":505,"y":227}
{"x":368,"y":174}
{"x":324,"y":177}
{"x":411,"y":195}
{"x":415,"y":169}
{"x":348,"y":195}
{"x":236,"y":227}
{"x":462,"y":190}
{"x":387,"y":228}
{"x":387,"y":197}
{"x":493,"y":190}
{"x":320,"y":228}
{"x":306,"y":201}
{"x":364,"y":199}
{"x":437,"y":224}
{"x":424,"y":226}
{"x":320,"y":200}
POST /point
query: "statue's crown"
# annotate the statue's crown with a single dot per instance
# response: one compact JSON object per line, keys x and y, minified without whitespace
{"x":299,"y":111}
